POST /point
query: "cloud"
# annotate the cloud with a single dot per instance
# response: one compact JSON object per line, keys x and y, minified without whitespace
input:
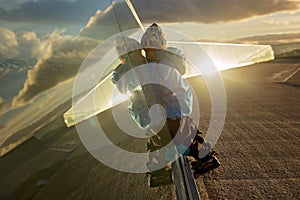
{"x":209,"y":11}
{"x":169,"y":11}
{"x":60,"y":58}
{"x":280,"y":38}
{"x":60,"y":12}
{"x":28,"y":44}
{"x":56,"y":12}
{"x":110,"y":21}
{"x":8,"y":44}
{"x":276,"y":22}
{"x":21,"y":45}
{"x":9,"y":4}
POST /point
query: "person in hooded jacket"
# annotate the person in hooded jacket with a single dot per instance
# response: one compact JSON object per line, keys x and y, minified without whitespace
{"x":177,"y":103}
{"x":143,"y":97}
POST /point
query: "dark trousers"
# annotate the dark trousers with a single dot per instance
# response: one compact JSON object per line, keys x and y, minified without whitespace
{"x":179,"y":131}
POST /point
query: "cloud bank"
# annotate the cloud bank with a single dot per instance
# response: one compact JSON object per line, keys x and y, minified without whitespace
{"x":60,"y":58}
{"x":28,"y":44}
{"x":9,"y":4}
{"x":114,"y":19}
{"x":55,"y":12}
{"x":282,"y":38}
{"x":202,"y":11}
{"x":206,"y":11}
{"x":20,"y":45}
{"x":209,"y":11}
{"x":8,"y":44}
{"x":103,"y":23}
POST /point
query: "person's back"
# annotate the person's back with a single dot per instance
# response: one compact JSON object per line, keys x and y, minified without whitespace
{"x":172,"y":57}
{"x":168,"y":71}
{"x":178,"y":103}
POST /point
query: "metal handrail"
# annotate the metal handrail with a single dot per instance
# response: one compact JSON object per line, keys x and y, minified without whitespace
{"x":185,"y":186}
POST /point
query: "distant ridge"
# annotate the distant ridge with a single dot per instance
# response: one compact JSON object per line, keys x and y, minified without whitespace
{"x":291,"y":54}
{"x":290,"y":50}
